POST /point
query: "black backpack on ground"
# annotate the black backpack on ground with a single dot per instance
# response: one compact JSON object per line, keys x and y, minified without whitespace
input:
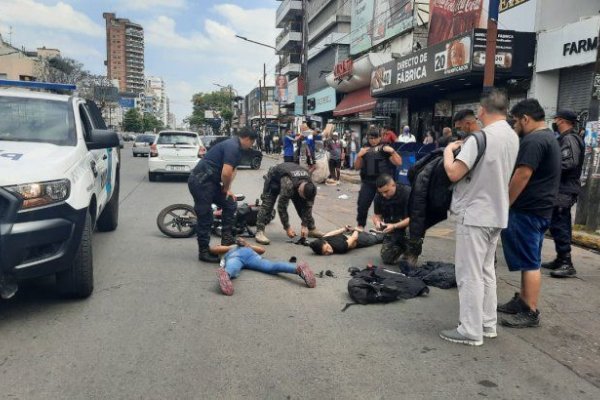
{"x":380,"y":285}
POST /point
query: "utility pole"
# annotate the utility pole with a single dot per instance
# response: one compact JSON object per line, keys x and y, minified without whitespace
{"x":304,"y":65}
{"x":266,"y":93}
{"x":260,"y":110}
{"x":490,"y":49}
{"x":588,"y":205}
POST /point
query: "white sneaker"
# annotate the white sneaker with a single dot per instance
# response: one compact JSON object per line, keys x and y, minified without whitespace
{"x":489,"y":332}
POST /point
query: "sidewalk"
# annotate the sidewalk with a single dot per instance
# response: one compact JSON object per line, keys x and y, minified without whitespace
{"x":580,"y":238}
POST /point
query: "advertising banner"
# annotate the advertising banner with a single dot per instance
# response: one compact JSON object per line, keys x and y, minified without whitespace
{"x":126,"y":102}
{"x":434,"y":63}
{"x":504,"y":50}
{"x":281,"y":93}
{"x":374,"y":21}
{"x":451,"y":18}
{"x":455,"y":57}
{"x":508,"y":4}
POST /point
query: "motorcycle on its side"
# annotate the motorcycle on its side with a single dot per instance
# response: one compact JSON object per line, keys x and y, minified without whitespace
{"x":179,"y":220}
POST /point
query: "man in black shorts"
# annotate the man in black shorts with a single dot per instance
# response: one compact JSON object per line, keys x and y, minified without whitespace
{"x":341,"y":241}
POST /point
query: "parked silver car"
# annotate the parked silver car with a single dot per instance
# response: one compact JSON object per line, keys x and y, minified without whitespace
{"x":141,"y":146}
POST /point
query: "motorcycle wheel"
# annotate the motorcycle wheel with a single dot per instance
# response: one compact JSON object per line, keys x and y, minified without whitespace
{"x":177,"y":221}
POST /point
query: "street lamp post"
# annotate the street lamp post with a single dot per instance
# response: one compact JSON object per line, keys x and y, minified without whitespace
{"x":265,"y":83}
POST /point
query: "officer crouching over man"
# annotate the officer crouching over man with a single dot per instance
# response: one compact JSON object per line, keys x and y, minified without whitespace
{"x":288,"y":181}
{"x":210,"y":183}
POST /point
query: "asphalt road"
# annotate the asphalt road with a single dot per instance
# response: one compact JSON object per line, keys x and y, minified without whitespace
{"x":157,"y":326}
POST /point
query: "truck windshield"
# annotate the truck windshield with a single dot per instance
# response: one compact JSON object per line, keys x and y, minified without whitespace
{"x":36,"y":120}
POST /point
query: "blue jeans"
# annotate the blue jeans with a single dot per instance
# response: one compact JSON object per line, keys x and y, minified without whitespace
{"x":522,"y":240}
{"x":244,"y":257}
{"x":352,"y":158}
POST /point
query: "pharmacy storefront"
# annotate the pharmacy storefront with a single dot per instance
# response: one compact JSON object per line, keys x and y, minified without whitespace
{"x":565,"y":67}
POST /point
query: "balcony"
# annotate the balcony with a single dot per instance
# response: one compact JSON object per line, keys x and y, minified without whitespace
{"x":288,"y":9}
{"x":287,"y":39}
{"x":290,"y":64}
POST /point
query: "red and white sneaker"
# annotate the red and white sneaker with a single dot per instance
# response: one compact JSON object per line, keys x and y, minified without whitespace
{"x":225,"y":282}
{"x":306,"y":273}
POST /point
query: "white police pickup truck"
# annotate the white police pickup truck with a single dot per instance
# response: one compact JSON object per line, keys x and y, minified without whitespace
{"x":59,"y":179}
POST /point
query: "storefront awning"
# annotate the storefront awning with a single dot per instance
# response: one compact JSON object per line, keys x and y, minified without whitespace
{"x":355,"y":102}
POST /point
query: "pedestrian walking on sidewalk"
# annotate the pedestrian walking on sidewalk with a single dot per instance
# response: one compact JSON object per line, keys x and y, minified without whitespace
{"x":242,"y":255}
{"x":480,"y":204}
{"x":572,"y":150}
{"x":533,"y":189}
{"x":373,"y":160}
{"x":210,"y":183}
{"x":391,"y":217}
{"x":335,"y":149}
{"x":287,"y":181}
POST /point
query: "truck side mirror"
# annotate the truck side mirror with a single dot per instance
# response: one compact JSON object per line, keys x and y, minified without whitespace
{"x":102,"y":139}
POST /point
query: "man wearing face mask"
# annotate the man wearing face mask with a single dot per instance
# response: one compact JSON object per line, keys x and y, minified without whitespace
{"x":572,"y":151}
{"x":532,"y":193}
{"x":465,"y":123}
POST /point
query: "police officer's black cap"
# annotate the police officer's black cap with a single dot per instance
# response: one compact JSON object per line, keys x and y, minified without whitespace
{"x":566,"y":115}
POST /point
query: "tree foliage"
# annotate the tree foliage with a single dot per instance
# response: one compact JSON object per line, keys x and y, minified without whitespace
{"x":151,"y":123}
{"x":217,"y":101}
{"x":132,"y":121}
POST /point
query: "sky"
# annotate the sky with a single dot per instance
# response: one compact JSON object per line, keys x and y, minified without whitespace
{"x":191,"y":44}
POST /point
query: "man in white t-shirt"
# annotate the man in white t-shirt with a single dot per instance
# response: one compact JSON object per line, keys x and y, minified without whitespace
{"x":406,"y":136}
{"x":480,"y":204}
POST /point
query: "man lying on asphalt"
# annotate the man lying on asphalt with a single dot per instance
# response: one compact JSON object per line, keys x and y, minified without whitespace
{"x":243,"y":255}
{"x":339,"y":242}
{"x":288,"y":181}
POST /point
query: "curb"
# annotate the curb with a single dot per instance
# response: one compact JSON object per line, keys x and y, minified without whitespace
{"x":586,"y":240}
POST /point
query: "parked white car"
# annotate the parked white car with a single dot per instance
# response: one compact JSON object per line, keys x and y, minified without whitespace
{"x":174,"y":153}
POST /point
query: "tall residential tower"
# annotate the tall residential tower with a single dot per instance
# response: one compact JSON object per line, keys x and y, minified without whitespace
{"x":125,"y":53}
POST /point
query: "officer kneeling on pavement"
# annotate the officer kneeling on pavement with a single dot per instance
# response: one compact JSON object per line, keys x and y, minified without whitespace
{"x":288,"y":181}
{"x":572,"y":150}
{"x":372,"y":161}
{"x":391,"y":217}
{"x":210,"y":183}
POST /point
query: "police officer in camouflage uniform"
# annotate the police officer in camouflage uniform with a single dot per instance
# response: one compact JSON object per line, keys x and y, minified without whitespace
{"x":391,"y":217}
{"x":210,"y":183}
{"x":373,"y":160}
{"x":288,"y":181}
{"x":572,"y":152}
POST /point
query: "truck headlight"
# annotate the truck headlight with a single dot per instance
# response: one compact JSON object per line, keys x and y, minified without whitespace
{"x":41,"y":194}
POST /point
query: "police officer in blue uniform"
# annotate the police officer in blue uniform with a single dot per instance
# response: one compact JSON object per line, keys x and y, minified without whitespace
{"x":373,"y":160}
{"x":210,"y":183}
{"x":572,"y":152}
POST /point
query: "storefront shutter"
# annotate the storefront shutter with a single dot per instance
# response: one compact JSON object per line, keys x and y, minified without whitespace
{"x":575,"y":88}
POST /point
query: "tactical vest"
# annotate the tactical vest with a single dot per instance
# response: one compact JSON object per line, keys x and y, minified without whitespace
{"x":292,"y":170}
{"x":570,"y":182}
{"x":375,"y":163}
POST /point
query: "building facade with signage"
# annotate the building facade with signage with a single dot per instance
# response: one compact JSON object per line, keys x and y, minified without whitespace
{"x":380,"y":30}
{"x":447,"y":77}
{"x":565,"y":66}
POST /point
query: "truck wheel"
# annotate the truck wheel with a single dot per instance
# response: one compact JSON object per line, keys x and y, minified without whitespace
{"x":109,"y":219}
{"x":255,"y":163}
{"x":152,"y":176}
{"x":78,"y":280}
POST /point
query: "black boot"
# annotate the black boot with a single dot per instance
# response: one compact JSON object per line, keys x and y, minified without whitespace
{"x":205,"y":255}
{"x":552,"y":265}
{"x":565,"y":268}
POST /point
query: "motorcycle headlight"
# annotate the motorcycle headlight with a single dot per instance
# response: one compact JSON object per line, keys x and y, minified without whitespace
{"x":41,"y":194}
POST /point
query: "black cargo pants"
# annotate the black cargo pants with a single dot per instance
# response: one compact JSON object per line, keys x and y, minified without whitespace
{"x":206,"y":191}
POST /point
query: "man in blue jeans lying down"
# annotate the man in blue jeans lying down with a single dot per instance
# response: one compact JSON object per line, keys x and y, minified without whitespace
{"x":243,"y":255}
